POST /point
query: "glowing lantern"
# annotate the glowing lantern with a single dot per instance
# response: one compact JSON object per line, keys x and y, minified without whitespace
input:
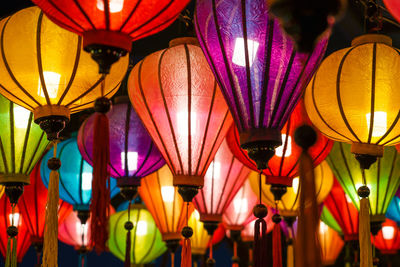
{"x":393,"y":211}
{"x":393,"y":7}
{"x":32,"y":206}
{"x":165,"y":205}
{"x":223,"y":180}
{"x":388,"y":238}
{"x":328,"y":219}
{"x":9,"y":218}
{"x":146,"y":238}
{"x":109,"y":26}
{"x":331,"y":244}
{"x":343,"y":211}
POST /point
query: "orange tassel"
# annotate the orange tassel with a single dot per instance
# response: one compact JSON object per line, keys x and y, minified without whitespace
{"x":276,"y":248}
{"x":235,"y":264}
{"x":99,"y":206}
{"x":186,"y":259}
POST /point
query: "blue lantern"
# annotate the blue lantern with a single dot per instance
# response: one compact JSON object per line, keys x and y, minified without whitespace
{"x":393,"y":212}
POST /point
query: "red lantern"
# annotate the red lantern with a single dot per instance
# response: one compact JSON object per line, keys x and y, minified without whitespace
{"x":32,"y":205}
{"x":6,"y":218}
{"x":388,"y":238}
{"x":72,"y":232}
{"x":282,"y":167}
{"x":343,"y":211}
{"x":222,"y":181}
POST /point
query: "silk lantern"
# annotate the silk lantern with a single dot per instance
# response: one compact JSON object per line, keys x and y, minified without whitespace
{"x":166,"y":206}
{"x":331,"y":244}
{"x":224,"y":178}
{"x":146,"y":238}
{"x":388,"y":238}
{"x":108,"y":27}
{"x":32,"y":206}
{"x":343,"y":211}
{"x":393,"y":211}
{"x":393,"y":7}
{"x":328,"y":219}
{"x":9,"y":218}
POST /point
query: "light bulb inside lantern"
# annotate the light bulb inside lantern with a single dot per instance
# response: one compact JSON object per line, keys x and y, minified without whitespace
{"x":196,"y":215}
{"x":239,"y":52}
{"x":21,"y":117}
{"x":279,"y":150}
{"x":214,"y":171}
{"x":348,"y":199}
{"x":114,"y":5}
{"x":86,"y":181}
{"x":388,"y":232}
{"x":168,"y":193}
{"x":322,"y":227}
{"x":295,"y":185}
{"x":141,"y":228}
{"x":52,"y":82}
{"x":81,"y":229}
{"x":14,"y":218}
{"x":183,"y":122}
{"x":240,"y":205}
{"x":132,"y":160}
{"x":380,"y":123}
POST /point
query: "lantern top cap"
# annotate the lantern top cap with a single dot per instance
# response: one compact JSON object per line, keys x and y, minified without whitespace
{"x":372,"y":38}
{"x":184,"y":40}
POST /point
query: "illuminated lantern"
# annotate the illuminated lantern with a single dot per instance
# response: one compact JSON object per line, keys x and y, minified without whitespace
{"x":328,"y":219}
{"x":331,"y":244}
{"x":32,"y":206}
{"x":343,"y":211}
{"x":224,"y":178}
{"x":146,"y":238}
{"x":109,"y":26}
{"x":166,"y":206}
{"x":388,"y":238}
{"x":393,"y":211}
{"x":393,"y":7}
{"x":10,"y":217}
{"x":174,"y":92}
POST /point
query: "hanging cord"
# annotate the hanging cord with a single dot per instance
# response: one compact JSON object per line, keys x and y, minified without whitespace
{"x":260,"y":230}
{"x":187,"y":232}
{"x":128,"y":226}
{"x":50,"y":245}
{"x":276,"y":237}
{"x":172,"y":259}
{"x":12,"y":232}
{"x":235,"y":258}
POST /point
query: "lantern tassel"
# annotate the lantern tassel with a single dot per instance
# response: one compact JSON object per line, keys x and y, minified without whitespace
{"x":82,"y":262}
{"x":100,"y":184}
{"x":365,"y":234}
{"x":308,"y":251}
{"x":50,"y":243}
{"x":276,"y":247}
{"x":172,"y":259}
{"x":235,"y":256}
{"x":187,"y":232}
{"x":128,"y":227}
{"x":260,"y":230}
{"x":290,"y":250}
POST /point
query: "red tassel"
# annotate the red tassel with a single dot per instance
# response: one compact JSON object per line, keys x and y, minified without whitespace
{"x":260,"y":243}
{"x":128,"y":250}
{"x":186,"y":259}
{"x":277,"y":247}
{"x":99,"y":206}
{"x":235,"y":264}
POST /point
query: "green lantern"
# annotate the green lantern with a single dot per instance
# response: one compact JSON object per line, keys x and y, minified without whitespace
{"x":382,"y":178}
{"x":146,"y":240}
{"x":328,"y":219}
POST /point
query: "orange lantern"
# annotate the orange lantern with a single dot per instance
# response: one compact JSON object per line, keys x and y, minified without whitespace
{"x":331,"y":244}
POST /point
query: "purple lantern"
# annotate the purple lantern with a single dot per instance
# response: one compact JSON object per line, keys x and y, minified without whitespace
{"x":133,"y":154}
{"x":259,"y":72}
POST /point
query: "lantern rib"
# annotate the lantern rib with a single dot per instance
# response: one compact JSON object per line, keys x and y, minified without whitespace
{"x":149,"y":150}
{"x":203,"y":200}
{"x":212,"y":192}
{"x":107,"y":13}
{"x":84,"y":14}
{"x":35,"y":192}
{"x":347,"y":168}
{"x":28,"y":222}
{"x":78,"y":108}
{"x":3,"y":155}
{"x":34,"y":152}
{"x":27,"y":133}
{"x":74,"y":70}
{"x":80,"y":181}
{"x":153,"y":206}
{"x":189,"y":80}
{"x":372,"y":113}
{"x":339,"y":218}
{"x":12,"y":137}
{"x":207,"y":126}
{"x":246,"y":58}
{"x":168,"y":114}
{"x":150,"y":247}
{"x":389,"y":130}
{"x":218,"y":210}
{"x":230,"y":78}
{"x":270,"y":35}
{"x":51,"y":2}
{"x":130,"y":15}
{"x":163,"y":203}
{"x":165,"y":8}
{"x":165,"y":23}
{"x":378,"y":176}
{"x":115,"y":236}
{"x":353,"y":226}
{"x":12,"y":76}
{"x":338,"y":96}
{"x":87,"y":91}
{"x":151,"y":117}
{"x":389,"y":182}
{"x":173,"y":207}
{"x":284,"y":149}
{"x":39,"y":58}
{"x":126,"y":136}
{"x":19,"y":99}
{"x":135,"y":233}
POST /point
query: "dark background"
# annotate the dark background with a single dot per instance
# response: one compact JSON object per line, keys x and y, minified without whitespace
{"x":350,"y":26}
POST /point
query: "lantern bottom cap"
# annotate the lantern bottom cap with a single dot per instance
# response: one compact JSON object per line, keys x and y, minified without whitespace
{"x":51,"y":110}
{"x":171,"y":236}
{"x":188,"y":180}
{"x":184,"y":40}
{"x":107,"y":38}
{"x":372,"y":38}
{"x":10,"y":178}
{"x":366,"y":154}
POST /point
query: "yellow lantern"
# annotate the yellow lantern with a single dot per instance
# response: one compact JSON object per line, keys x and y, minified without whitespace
{"x":290,"y":201}
{"x":44,"y":68}
{"x":331,"y":244}
{"x":200,"y":238}
{"x":353,"y":97}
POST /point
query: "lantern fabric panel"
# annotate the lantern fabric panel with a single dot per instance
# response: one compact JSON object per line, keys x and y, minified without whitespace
{"x":290,"y":200}
{"x":343,"y":210}
{"x":164,"y":203}
{"x":393,"y":211}
{"x":147,"y":244}
{"x":331,"y":244}
{"x":328,"y":219}
{"x":224,"y":178}
{"x":71,"y":230}
{"x":382,"y":177}
{"x":393,"y":7}
{"x":178,"y":100}
{"x":23,"y":238}
{"x":343,"y":99}
{"x":388,"y":238}
{"x":43,"y":64}
{"x":22,"y":141}
{"x":132,"y":152}
{"x":259,"y":72}
{"x":75,"y":176}
{"x":200,"y":238}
